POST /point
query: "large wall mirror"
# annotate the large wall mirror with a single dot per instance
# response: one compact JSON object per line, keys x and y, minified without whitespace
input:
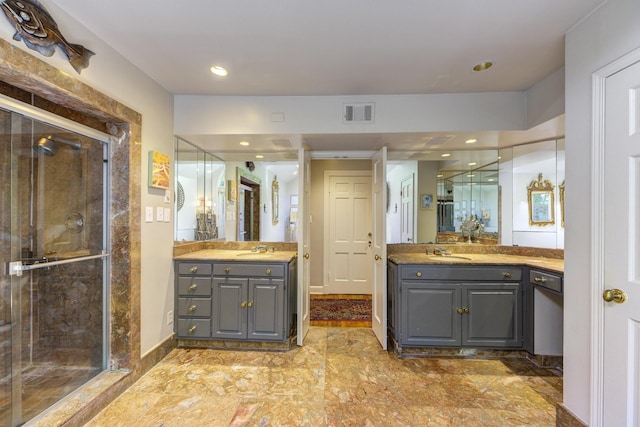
{"x":463,"y":186}
{"x":199,"y":194}
{"x":532,"y":180}
{"x":231,"y":199}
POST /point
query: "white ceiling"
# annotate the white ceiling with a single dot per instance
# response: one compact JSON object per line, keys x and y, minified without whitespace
{"x":339,"y":47}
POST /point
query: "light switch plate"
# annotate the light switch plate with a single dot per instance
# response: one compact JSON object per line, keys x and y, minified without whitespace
{"x":148,"y":214}
{"x":167,"y":214}
{"x":159,"y":214}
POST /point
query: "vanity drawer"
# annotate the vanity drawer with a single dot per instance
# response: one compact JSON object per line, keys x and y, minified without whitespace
{"x":194,"y":286}
{"x":244,"y":270}
{"x":546,"y":280}
{"x":195,"y":268}
{"x":194,"y":307}
{"x":194,"y":328}
{"x":461,"y":273}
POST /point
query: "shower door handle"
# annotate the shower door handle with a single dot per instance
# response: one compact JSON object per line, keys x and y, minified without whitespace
{"x":17,"y":267}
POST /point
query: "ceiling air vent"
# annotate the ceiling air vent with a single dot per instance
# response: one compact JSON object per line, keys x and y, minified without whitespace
{"x":360,"y":112}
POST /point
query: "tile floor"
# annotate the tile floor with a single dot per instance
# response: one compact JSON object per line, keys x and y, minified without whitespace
{"x":341,"y":378}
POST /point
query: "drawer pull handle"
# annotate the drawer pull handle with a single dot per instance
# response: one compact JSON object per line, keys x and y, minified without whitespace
{"x":193,"y":287}
{"x":419,"y":274}
{"x":244,"y":304}
{"x":227,"y":270}
{"x":268,"y":271}
{"x":506,"y":274}
{"x":193,"y":270}
{"x":192,"y":308}
{"x":192,"y":329}
{"x":539,"y":279}
{"x":250,"y":304}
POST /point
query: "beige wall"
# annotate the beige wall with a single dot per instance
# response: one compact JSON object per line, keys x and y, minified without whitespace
{"x":605,"y":35}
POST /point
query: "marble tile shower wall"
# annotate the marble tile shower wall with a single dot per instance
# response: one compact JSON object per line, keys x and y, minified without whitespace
{"x":69,"y":311}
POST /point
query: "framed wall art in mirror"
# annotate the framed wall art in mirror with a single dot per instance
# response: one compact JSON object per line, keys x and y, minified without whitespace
{"x":561,"y":187}
{"x":275,"y":201}
{"x":541,"y":202}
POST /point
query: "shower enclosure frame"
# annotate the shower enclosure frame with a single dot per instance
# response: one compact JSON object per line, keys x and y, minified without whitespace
{"x":16,"y":268}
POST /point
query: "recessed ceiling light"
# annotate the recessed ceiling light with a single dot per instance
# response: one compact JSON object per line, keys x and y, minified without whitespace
{"x":439,"y":175}
{"x":491,"y":179}
{"x":245,"y":143}
{"x":219,"y":71}
{"x":445,"y":155}
{"x":472,"y":164}
{"x":470,"y":176}
{"x":483,"y":66}
{"x":471,"y":141}
{"x":259,"y":156}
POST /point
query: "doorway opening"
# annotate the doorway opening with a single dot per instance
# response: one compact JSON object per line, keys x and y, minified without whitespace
{"x":248,"y":210}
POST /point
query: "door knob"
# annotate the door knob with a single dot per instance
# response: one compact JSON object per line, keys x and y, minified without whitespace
{"x":377,"y":257}
{"x":306,"y":256}
{"x":614,"y":295}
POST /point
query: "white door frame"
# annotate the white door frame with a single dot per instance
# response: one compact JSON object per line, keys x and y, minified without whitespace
{"x":304,"y":241}
{"x":597,"y":232}
{"x":328,"y":174}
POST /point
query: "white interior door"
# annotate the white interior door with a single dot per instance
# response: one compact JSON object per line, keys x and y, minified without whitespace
{"x":304,"y":232}
{"x":349,"y":233}
{"x":379,"y":297}
{"x":406,"y":201}
{"x":621,"y":341}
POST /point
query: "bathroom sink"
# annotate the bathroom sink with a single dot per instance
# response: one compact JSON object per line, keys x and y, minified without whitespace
{"x":253,"y":253}
{"x":448,"y":257}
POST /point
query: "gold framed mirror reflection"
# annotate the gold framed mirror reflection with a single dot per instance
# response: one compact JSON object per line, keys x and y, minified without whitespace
{"x":275,"y":201}
{"x":541,"y":202}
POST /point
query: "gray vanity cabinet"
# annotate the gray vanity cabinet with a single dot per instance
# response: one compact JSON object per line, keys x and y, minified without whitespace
{"x":453,"y":306}
{"x":236,"y":301}
{"x":193,"y":299}
{"x":248,"y":308}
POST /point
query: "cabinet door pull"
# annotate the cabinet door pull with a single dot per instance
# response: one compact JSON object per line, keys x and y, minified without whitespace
{"x":192,"y":329}
{"x":227,"y":270}
{"x":268,"y":271}
{"x":250,"y":304}
{"x":192,"y":308}
{"x":466,"y":309}
{"x":193,"y":287}
{"x":419,"y":274}
{"x":506,"y":274}
{"x":460,"y":311}
{"x":244,"y":304}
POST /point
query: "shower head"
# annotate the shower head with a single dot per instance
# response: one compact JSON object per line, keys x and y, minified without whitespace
{"x":49,"y":145}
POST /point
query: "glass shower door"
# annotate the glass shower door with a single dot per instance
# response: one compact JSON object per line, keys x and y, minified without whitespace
{"x":53,"y":250}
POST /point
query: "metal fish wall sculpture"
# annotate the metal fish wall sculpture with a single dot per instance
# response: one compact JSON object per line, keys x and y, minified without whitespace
{"x":40,"y":32}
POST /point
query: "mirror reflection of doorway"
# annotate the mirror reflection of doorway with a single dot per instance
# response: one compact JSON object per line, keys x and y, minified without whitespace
{"x":248,"y":210}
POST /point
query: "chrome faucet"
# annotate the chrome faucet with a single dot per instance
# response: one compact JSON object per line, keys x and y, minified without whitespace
{"x":440,"y":251}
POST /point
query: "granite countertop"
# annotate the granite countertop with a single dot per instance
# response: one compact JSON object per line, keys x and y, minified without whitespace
{"x":237,"y":255}
{"x":551,"y":264}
